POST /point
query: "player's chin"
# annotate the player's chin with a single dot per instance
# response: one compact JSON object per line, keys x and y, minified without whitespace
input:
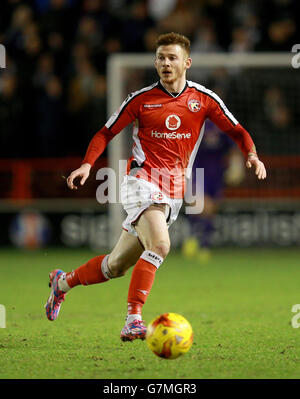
{"x":166,"y":75}
{"x":167,"y":78}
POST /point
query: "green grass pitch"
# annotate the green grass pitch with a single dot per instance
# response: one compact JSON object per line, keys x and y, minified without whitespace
{"x":239,"y":304}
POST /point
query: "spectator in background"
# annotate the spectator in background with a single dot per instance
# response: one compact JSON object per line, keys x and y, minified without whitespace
{"x":221,"y":14}
{"x":183,"y":19}
{"x":81,"y":85}
{"x":280,"y":27}
{"x":94,"y":8}
{"x":95,"y":108}
{"x":97,"y":31}
{"x":222,"y":163}
{"x":26,"y":68}
{"x":246,"y":25}
{"x":89,"y":34}
{"x":7,"y":9}
{"x":150,"y":39}
{"x":45,"y":69}
{"x":111,"y":45}
{"x":80,"y":90}
{"x":80,"y":51}
{"x":61,"y":18}
{"x":58,"y":25}
{"x":50,"y":111}
{"x":160,"y":9}
{"x":278,"y":121}
{"x":14,"y":37}
{"x":280,"y":35}
{"x":11,"y":117}
{"x":107,"y":23}
{"x":55,"y":45}
{"x":135,"y":27}
{"x":241,"y":41}
{"x":205,"y":38}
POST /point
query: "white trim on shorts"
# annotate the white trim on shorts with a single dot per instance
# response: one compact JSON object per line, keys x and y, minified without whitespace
{"x":137,"y":195}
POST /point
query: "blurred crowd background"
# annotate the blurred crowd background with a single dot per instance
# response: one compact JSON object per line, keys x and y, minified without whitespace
{"x":53,"y":90}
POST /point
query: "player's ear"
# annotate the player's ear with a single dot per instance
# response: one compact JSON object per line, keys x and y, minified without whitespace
{"x":188,"y":62}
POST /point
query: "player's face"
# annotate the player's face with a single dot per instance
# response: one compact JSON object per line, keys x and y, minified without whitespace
{"x":171,"y":63}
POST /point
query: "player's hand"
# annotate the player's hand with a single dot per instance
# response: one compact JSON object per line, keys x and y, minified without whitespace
{"x":260,"y":169}
{"x":82,"y":172}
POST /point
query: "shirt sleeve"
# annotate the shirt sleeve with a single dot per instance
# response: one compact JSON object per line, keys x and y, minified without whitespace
{"x":97,"y":145}
{"x":219,"y":114}
{"x":125,"y":115}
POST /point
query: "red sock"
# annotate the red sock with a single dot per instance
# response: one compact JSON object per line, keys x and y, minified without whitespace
{"x":142,"y":278}
{"x":89,"y":273}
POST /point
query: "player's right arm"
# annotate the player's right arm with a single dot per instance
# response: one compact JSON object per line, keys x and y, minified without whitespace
{"x":126,"y":114}
{"x":95,"y":149}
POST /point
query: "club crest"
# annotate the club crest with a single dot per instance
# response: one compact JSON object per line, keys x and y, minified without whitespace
{"x":157,"y":197}
{"x":194,"y":105}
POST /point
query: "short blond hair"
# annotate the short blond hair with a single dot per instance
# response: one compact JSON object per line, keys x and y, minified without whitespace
{"x":174,"y":38}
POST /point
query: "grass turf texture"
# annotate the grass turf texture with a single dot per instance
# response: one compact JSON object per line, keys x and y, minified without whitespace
{"x":239,"y":305}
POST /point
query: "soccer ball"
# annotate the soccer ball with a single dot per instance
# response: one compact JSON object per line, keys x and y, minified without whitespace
{"x":169,"y":335}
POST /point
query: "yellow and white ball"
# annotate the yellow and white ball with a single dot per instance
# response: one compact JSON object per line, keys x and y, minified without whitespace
{"x":169,"y":335}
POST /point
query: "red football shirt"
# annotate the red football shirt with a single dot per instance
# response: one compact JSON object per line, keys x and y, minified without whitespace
{"x":167,"y":132}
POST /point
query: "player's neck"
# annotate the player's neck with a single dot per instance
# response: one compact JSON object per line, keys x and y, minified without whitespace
{"x":174,"y":87}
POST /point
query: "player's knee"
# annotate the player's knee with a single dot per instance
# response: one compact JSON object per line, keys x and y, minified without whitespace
{"x":161,"y":248}
{"x":117,"y":271}
{"x":117,"y":267}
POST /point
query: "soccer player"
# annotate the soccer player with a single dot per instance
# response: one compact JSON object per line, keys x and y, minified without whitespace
{"x":168,"y":119}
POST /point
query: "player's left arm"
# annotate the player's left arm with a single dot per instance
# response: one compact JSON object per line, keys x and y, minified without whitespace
{"x":222,"y":117}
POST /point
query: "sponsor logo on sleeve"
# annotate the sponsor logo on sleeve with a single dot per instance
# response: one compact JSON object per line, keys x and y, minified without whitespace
{"x":152,"y":105}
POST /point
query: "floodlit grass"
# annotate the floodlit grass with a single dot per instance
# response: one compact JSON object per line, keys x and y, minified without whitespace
{"x":239,"y":304}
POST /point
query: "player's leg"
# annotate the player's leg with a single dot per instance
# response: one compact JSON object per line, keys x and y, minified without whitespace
{"x":96,"y":270}
{"x":152,"y":230}
{"x":104,"y":267}
{"x":124,"y":254}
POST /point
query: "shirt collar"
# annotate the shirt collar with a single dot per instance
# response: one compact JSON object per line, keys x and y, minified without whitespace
{"x":169,"y":93}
